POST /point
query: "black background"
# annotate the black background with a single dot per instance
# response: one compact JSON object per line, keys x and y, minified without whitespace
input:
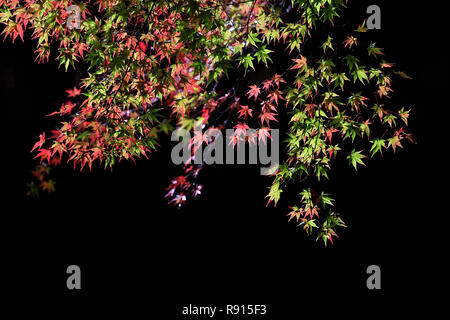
{"x":139,"y":256}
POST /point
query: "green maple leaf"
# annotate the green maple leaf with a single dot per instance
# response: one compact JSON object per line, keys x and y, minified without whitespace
{"x":247,"y":61}
{"x":274,"y":193}
{"x":263,"y":54}
{"x":374,"y":51}
{"x":325,"y":200}
{"x":352,"y":62}
{"x":355,"y":158}
{"x":377,"y":144}
{"x":360,"y":74}
{"x":328,"y":44}
{"x":253,"y":39}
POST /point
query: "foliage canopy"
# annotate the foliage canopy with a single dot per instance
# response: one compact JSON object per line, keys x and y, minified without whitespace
{"x":156,"y":65}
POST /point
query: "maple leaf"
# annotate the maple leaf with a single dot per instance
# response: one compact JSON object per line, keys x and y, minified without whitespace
{"x":360,"y":74}
{"x":384,"y":91}
{"x":274,"y":193}
{"x":374,"y":51}
{"x":385,"y":64}
{"x":329,"y":133}
{"x":244,"y":112}
{"x":299,"y":63}
{"x":355,"y":158}
{"x":295,"y":213}
{"x":251,"y":138}
{"x":379,"y":111}
{"x":277,"y":79}
{"x":19,"y":31}
{"x":263,"y":134}
{"x":68,"y":108}
{"x":80,"y":48}
{"x":330,"y":236}
{"x":404,"y":115}
{"x":377,"y":144}
{"x":333,"y":150}
{"x":55,"y":162}
{"x":253,"y":92}
{"x":394,"y":142}
{"x":65,"y":109}
{"x":410,"y":137}
{"x":267,"y":116}
{"x":198,"y":140}
{"x":13,"y":30}
{"x":48,"y":186}
{"x":234,"y":139}
{"x":362,"y":28}
{"x":72,"y":93}
{"x":350,"y":41}
{"x":274,"y":95}
{"x":241,"y":129}
{"x":357,"y":100}
{"x":311,"y":211}
{"x":267,"y":105}
{"x":58,"y":147}
{"x":40,"y":142}
{"x":44,"y":153}
{"x":267,"y":84}
{"x":39,"y":173}
{"x":308,"y":225}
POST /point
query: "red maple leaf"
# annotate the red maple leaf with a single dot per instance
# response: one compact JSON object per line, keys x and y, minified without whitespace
{"x":267,"y":116}
{"x":241,"y":129}
{"x":244,"y":112}
{"x":263,"y":133}
{"x":278,"y":78}
{"x":80,"y":48}
{"x":44,"y":153}
{"x":234,"y":139}
{"x":274,"y":95}
{"x":267,"y":84}
{"x":330,"y":132}
{"x":253,"y":92}
{"x":72,"y":93}
{"x":40,"y":142}
{"x":299,"y":63}
{"x":350,"y":41}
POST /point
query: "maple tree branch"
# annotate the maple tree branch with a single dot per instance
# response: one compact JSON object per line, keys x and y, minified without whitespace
{"x":130,"y":59}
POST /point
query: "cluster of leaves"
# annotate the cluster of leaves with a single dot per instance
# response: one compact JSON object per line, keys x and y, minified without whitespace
{"x":41,"y":181}
{"x":336,"y":100}
{"x":154,"y":65}
{"x":184,"y":185}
